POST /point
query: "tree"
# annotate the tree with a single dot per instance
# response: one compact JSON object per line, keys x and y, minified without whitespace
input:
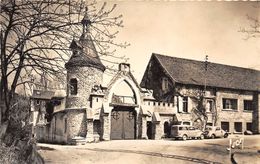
{"x":197,"y":95}
{"x":253,"y":29}
{"x":35,"y":37}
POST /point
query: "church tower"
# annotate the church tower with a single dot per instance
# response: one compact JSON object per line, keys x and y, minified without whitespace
{"x":84,"y":69}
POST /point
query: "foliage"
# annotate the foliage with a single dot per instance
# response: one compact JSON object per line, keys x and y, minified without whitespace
{"x":199,"y":114}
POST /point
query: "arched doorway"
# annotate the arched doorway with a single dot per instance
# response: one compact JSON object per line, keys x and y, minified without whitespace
{"x":123,"y":115}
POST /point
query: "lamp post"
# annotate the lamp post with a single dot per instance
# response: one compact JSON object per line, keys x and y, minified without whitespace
{"x":205,"y":85}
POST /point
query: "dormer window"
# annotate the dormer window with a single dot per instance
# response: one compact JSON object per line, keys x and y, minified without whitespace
{"x":165,"y":84}
{"x":73,"y":86}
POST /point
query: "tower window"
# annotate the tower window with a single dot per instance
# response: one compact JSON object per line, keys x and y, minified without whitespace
{"x":73,"y":86}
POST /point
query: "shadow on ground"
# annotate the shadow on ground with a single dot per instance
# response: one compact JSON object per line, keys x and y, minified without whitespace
{"x":184,"y":158}
{"x":45,"y":148}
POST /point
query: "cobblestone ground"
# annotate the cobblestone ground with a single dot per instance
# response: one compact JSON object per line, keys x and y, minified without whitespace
{"x":152,"y":151}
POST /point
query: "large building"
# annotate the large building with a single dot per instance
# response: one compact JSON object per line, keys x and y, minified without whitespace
{"x":168,"y":94}
{"x":231,"y":95}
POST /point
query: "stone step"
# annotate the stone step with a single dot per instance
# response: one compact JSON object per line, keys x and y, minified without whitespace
{"x":78,"y":141}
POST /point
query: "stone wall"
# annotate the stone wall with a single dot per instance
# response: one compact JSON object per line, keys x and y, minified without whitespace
{"x":106,"y":127}
{"x":77,"y":123}
{"x":86,"y":77}
{"x":233,"y":116}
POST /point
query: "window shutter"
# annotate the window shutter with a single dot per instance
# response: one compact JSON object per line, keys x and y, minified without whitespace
{"x":180,"y":104}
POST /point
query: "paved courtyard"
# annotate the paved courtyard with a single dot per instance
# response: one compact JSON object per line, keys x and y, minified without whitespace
{"x":152,"y":151}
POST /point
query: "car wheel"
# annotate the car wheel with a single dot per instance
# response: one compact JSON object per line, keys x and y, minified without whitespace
{"x":184,"y":137}
{"x":225,"y":135}
{"x":213,"y":136}
{"x":202,"y":137}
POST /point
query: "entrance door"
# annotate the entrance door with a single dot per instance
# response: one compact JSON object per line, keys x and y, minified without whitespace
{"x":123,"y":123}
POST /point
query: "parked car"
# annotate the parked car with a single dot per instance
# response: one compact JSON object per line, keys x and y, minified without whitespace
{"x":185,"y":132}
{"x":215,"y":131}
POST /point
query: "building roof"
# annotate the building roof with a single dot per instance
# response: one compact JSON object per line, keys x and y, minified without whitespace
{"x":186,"y":71}
{"x":84,"y":54}
{"x":42,"y":94}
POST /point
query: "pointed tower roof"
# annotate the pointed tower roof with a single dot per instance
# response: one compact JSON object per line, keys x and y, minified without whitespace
{"x":84,"y":51}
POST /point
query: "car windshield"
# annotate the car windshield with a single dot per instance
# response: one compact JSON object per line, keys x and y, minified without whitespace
{"x":182,"y":128}
{"x":208,"y":128}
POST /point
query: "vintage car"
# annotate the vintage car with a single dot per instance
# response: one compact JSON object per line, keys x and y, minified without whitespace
{"x":186,"y":132}
{"x":215,"y":131}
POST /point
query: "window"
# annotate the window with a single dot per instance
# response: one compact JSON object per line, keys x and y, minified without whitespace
{"x":183,"y":128}
{"x":249,"y":126}
{"x":209,"y":105}
{"x":248,"y":105}
{"x":165,"y":84}
{"x":73,"y":86}
{"x":185,"y":104}
{"x":230,"y":104}
{"x":218,"y":128}
{"x":186,"y":123}
{"x":38,"y":102}
{"x":238,"y":126}
{"x":225,"y":126}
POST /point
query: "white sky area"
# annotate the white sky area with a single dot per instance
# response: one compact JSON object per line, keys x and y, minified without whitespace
{"x":187,"y":30}
{"x":123,"y":86}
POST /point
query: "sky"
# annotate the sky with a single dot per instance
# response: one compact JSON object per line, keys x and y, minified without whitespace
{"x":187,"y":30}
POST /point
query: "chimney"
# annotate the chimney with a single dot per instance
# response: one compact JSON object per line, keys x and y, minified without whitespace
{"x":125,"y":67}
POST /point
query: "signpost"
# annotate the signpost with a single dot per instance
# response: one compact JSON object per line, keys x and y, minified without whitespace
{"x":236,"y":142}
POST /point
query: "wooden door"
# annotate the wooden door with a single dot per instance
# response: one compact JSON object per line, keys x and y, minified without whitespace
{"x":123,"y":123}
